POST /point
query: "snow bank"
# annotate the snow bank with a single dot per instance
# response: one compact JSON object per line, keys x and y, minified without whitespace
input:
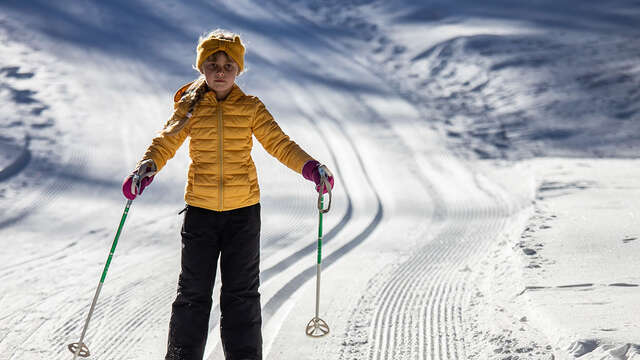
{"x":566,"y":282}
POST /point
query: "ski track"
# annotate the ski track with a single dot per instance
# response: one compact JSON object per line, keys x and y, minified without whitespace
{"x":120,"y":322}
{"x":431,"y":285}
{"x":392,"y":330}
{"x":434,"y":282}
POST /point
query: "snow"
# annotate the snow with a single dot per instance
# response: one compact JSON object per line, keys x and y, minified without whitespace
{"x":585,"y":219}
{"x":484,"y":153}
{"x":564,"y":281}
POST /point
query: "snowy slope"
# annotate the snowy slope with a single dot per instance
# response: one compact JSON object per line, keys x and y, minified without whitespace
{"x":508,"y":79}
{"x":424,"y":112}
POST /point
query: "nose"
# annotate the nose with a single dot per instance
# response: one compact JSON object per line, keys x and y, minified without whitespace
{"x":220,"y":74}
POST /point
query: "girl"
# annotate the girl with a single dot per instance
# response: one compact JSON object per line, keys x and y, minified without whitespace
{"x":222,"y":219}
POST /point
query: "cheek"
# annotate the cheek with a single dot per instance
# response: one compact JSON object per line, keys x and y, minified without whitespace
{"x":209,"y":77}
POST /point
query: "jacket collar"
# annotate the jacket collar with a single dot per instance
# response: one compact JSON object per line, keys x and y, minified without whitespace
{"x":235,"y":95}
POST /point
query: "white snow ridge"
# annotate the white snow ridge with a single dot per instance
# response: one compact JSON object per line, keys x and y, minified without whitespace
{"x":486,"y":160}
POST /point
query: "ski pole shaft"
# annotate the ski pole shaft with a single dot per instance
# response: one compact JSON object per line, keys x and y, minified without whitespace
{"x":318,"y":270}
{"x":319,"y":263}
{"x":79,"y":346}
{"x":320,"y":234}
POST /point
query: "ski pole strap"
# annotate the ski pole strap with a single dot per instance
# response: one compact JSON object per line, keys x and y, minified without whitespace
{"x":146,"y":168}
{"x":324,"y":184}
{"x":135,"y":183}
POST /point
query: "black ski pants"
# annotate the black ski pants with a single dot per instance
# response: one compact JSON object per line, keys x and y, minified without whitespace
{"x":233,"y":237}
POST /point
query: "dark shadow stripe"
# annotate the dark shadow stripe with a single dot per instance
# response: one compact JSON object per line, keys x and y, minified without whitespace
{"x":267,"y":274}
{"x":18,"y":164}
{"x":292,"y":286}
{"x":270,"y":308}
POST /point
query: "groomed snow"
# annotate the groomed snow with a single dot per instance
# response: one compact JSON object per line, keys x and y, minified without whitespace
{"x":485,"y":205}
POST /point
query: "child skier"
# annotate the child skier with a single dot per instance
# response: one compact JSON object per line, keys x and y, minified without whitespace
{"x":222,"y":219}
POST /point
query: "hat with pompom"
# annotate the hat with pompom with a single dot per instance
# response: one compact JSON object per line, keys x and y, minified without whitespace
{"x":214,"y":43}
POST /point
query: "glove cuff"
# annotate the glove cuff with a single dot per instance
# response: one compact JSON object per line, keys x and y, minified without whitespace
{"x":307,"y":169}
{"x":145,"y":168}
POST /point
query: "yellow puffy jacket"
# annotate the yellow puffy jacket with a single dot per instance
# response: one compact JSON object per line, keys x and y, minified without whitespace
{"x":222,"y":175}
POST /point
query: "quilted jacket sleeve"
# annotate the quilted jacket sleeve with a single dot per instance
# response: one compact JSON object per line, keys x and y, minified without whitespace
{"x":164,"y":146}
{"x":276,"y":142}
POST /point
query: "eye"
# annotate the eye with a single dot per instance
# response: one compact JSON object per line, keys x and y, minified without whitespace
{"x":228,"y":67}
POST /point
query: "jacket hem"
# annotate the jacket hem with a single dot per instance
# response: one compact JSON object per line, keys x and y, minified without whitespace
{"x":209,"y":206}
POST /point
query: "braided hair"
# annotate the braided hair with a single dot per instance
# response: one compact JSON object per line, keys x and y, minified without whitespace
{"x":189,"y":100}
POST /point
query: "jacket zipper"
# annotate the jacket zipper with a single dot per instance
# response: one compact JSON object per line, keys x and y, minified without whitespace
{"x":220,"y":153}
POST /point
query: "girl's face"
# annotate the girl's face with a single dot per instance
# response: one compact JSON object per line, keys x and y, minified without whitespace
{"x":220,"y":72}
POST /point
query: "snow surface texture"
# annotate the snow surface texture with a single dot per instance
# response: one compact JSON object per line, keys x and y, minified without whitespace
{"x":457,"y":231}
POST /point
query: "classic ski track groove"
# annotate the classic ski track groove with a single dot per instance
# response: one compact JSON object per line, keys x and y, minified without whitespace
{"x":398,"y":294}
{"x":442,"y":298}
{"x":444,"y":327}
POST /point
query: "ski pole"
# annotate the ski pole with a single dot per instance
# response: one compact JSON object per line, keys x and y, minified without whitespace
{"x":318,"y":327}
{"x":80,"y":348}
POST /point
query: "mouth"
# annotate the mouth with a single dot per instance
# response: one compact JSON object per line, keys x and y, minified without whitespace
{"x":219,"y":81}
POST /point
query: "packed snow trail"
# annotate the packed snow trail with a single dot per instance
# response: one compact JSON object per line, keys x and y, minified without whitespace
{"x":416,"y":308}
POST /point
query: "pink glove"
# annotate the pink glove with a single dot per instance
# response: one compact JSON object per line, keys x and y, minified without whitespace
{"x":310,"y":172}
{"x":129,"y":190}
{"x":146,"y":170}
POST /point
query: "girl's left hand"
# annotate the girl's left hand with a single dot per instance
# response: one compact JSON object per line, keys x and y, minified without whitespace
{"x":311,"y":172}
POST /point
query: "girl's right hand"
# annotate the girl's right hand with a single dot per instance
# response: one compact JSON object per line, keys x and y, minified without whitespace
{"x":146,"y":170}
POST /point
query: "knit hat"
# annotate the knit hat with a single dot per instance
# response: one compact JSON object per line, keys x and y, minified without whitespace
{"x":212,"y":44}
